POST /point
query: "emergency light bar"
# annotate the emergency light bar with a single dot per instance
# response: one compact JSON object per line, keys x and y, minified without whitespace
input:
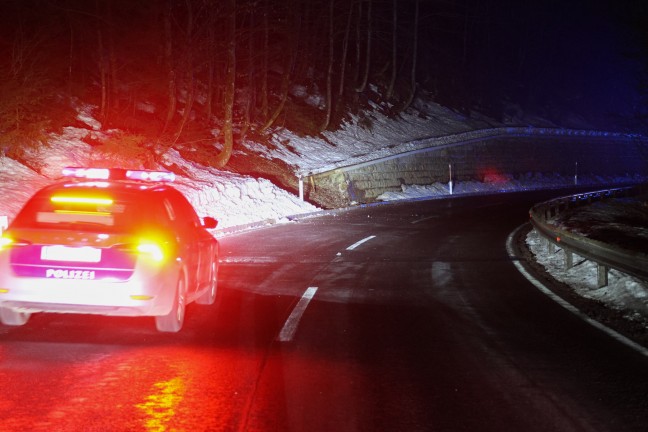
{"x":118,"y":174}
{"x":89,"y":173}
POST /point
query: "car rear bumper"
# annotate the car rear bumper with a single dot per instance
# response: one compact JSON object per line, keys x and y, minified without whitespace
{"x":136,"y":297}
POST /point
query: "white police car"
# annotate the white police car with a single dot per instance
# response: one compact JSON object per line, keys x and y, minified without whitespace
{"x":110,"y":242}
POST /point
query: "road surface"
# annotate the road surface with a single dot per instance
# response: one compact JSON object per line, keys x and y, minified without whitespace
{"x":400,"y":317}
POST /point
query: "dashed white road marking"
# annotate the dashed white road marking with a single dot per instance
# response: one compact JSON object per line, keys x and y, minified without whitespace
{"x":356,"y":244}
{"x":291,"y":324}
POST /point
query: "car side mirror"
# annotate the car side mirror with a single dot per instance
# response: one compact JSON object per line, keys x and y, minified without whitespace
{"x":209,"y":222}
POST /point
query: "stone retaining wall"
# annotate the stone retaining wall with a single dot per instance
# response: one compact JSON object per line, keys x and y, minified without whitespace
{"x":478,"y":160}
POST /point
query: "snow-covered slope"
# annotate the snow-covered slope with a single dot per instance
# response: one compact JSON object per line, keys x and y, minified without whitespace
{"x":237,"y":200}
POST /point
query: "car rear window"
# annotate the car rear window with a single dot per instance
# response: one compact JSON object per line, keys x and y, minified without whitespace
{"x":100,"y":212}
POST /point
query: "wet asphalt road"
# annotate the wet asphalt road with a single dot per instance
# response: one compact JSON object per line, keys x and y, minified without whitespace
{"x":408,"y":317}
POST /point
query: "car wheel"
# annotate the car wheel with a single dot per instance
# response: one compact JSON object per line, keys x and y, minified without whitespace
{"x":209,"y":296}
{"x":172,"y":322}
{"x":12,"y":318}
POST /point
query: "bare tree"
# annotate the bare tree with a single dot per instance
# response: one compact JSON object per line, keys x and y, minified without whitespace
{"x":168,"y":63}
{"x":365,"y":76}
{"x":211,"y":40}
{"x":329,"y":72}
{"x":264,"y":73}
{"x":414,"y":55}
{"x":345,"y":48}
{"x":103,"y":75}
{"x":293,"y":33}
{"x":230,"y":89}
{"x":392,"y":80}
{"x":189,"y":71}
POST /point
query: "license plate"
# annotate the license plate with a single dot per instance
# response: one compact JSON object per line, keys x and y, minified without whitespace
{"x":66,"y":253}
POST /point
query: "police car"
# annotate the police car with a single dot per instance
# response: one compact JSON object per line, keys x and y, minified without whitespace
{"x":111,"y":242}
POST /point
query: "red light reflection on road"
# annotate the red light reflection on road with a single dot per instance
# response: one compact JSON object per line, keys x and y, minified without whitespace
{"x":160,"y":406}
{"x":77,"y":387}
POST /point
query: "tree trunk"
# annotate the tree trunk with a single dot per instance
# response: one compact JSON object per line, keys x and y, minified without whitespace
{"x":329,"y":73}
{"x":285,"y":85}
{"x":230,"y":89}
{"x":365,"y":75}
{"x":392,"y":81}
{"x":168,"y":62}
{"x":358,"y":50}
{"x":102,"y":76}
{"x":288,"y":72}
{"x":345,"y":49}
{"x":189,"y":72}
{"x":251,"y":87}
{"x":112,"y":60}
{"x":210,"y":71}
{"x":264,"y":79}
{"x":414,"y":55}
{"x":191,"y":94}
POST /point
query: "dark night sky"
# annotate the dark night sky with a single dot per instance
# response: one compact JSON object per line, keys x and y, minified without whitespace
{"x":552,"y":56}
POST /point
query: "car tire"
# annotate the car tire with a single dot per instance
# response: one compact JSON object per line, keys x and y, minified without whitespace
{"x":12,"y":318}
{"x":209,"y":296}
{"x":172,"y":322}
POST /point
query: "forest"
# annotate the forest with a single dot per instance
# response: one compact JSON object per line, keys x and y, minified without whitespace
{"x":202,"y":75}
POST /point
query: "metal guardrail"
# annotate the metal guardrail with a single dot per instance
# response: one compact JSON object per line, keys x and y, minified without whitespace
{"x":607,"y":256}
{"x":458,"y":139}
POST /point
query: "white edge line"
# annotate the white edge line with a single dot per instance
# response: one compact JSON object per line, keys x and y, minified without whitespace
{"x":571,"y":308}
{"x":290,"y":326}
{"x":356,"y":244}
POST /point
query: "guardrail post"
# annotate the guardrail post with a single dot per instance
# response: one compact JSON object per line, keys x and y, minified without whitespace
{"x":602,"y":275}
{"x":569,"y":259}
{"x":615,"y":258}
{"x":301,"y":188}
{"x":550,"y":246}
{"x":450,"y":183}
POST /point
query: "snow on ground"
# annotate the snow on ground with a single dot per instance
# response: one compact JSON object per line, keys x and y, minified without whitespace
{"x":372,"y":134}
{"x":236,"y":200}
{"x":623,"y":292}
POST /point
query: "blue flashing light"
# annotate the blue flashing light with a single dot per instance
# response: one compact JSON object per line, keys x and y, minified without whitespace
{"x":147,"y":175}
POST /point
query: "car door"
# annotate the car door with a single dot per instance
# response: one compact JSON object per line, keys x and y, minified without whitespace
{"x":195,"y":246}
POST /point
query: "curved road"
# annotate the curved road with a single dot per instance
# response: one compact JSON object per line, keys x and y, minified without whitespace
{"x":401,"y":317}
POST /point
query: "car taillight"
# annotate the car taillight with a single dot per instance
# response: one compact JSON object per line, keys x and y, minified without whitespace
{"x":151,"y":250}
{"x":6,"y":242}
